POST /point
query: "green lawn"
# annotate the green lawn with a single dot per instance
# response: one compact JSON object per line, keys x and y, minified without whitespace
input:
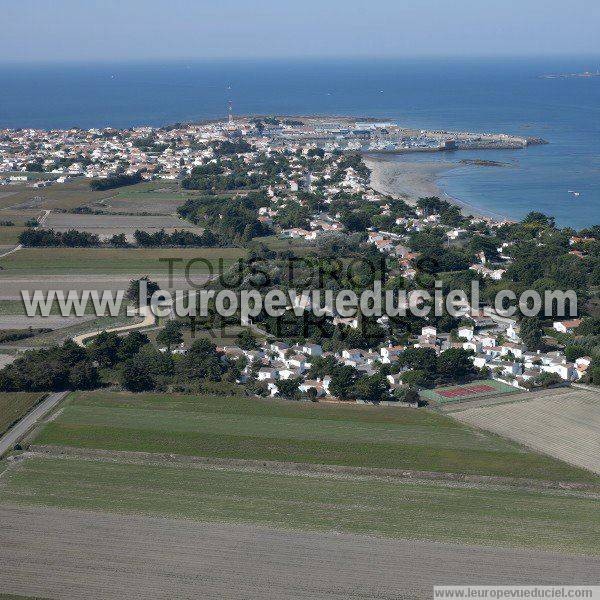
{"x":236,"y":427}
{"x":52,"y":261}
{"x":14,"y":406}
{"x":514,"y":518}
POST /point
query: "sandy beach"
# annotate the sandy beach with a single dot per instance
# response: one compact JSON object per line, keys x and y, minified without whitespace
{"x":410,"y":181}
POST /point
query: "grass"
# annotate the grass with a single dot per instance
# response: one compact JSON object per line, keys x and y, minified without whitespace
{"x":14,"y":406}
{"x":9,"y":235}
{"x":242,"y":427}
{"x":58,"y":196}
{"x":552,"y":520}
{"x":53,"y":261}
{"x":16,"y":308}
{"x":58,"y":336}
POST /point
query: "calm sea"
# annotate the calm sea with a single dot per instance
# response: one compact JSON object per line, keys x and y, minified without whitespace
{"x":486,"y":95}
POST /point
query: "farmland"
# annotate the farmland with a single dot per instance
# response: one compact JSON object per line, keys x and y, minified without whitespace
{"x":58,"y":196}
{"x":194,"y":515}
{"x":159,"y":198}
{"x":561,"y":423}
{"x":549,"y":519}
{"x":51,"y":552}
{"x":9,"y":235}
{"x":13,"y":406}
{"x":92,"y":261}
{"x":239,"y":427}
{"x":108,"y":225}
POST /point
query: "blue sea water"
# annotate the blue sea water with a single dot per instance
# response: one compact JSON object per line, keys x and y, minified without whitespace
{"x":500,"y":95}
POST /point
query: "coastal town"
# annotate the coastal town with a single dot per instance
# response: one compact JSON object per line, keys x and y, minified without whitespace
{"x":305,"y":185}
{"x":299,"y":300}
{"x":165,"y":153}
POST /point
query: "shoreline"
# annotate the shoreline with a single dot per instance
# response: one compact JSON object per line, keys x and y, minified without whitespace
{"x":410,"y":181}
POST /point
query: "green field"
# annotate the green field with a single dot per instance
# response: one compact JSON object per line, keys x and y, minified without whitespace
{"x":16,"y":307}
{"x":14,"y":406}
{"x":517,"y":518}
{"x":9,"y":235}
{"x":53,"y":261}
{"x":249,"y":428}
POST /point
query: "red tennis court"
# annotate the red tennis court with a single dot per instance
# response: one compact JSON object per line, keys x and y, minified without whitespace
{"x":466,"y":391}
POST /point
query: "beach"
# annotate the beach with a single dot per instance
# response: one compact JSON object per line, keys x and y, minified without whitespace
{"x":410,"y":180}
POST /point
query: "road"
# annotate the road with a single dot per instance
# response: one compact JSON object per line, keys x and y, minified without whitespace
{"x":14,"y":434}
{"x":148,"y":321}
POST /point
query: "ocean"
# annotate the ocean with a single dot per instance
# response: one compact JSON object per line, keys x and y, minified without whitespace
{"x":499,"y":95}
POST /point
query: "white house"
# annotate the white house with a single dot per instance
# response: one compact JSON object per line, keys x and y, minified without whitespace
{"x":566,"y":326}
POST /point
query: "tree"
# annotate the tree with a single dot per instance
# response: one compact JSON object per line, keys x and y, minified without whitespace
{"x":135,"y":286}
{"x":417,"y":379}
{"x":136,"y":379}
{"x":105,"y":349}
{"x":288,"y":388}
{"x":371,"y":389}
{"x":246,"y":340}
{"x":159,"y":365}
{"x":342,"y":381}
{"x":454,"y":366}
{"x":575,"y":351}
{"x":170,"y":335}
{"x":546,"y":380}
{"x":131,"y":344}
{"x":531,"y":332}
{"x":422,"y":359}
{"x":202,"y":361}
{"x":84,"y":376}
{"x":406,"y":394}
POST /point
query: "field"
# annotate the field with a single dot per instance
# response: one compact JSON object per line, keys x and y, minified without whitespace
{"x":13,"y":406}
{"x":9,"y":235}
{"x":562,"y":423}
{"x":108,"y":225}
{"x":230,"y":427}
{"x":168,"y":486}
{"x":19,"y":216}
{"x":52,"y":261}
{"x":476,"y":389}
{"x":51,"y":553}
{"x":160,"y":198}
{"x":15,"y":308}
{"x":60,"y":195}
{"x":548,"y":519}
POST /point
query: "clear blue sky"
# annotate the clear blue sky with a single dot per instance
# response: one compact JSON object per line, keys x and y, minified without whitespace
{"x":82,"y":30}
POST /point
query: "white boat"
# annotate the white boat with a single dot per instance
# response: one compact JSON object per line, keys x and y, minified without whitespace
{"x":573,"y":192}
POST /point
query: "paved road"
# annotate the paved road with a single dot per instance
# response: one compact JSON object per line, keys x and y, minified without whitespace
{"x":71,"y":554}
{"x":14,"y":434}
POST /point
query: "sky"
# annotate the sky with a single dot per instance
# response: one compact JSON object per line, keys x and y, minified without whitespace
{"x":109,"y":30}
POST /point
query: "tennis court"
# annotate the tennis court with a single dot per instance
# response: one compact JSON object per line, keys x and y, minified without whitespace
{"x":477,"y":389}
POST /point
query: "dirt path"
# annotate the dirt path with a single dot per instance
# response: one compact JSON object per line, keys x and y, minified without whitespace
{"x":148,"y":320}
{"x":73,"y":554}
